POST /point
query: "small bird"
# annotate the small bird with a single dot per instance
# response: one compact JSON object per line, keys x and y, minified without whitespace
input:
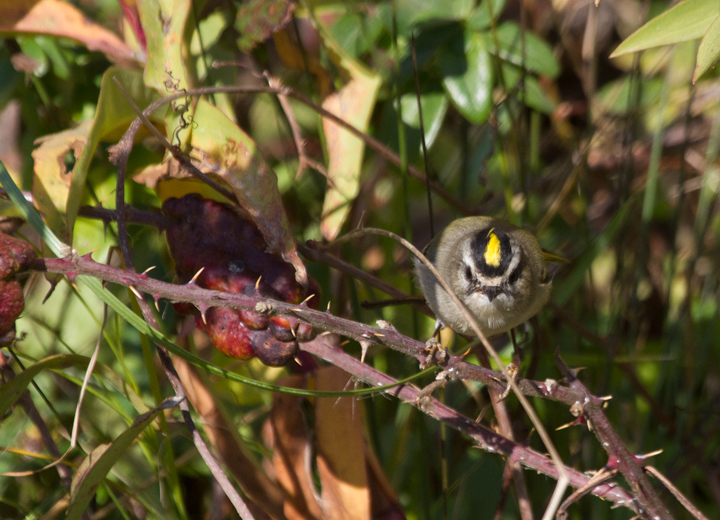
{"x":495,"y":268}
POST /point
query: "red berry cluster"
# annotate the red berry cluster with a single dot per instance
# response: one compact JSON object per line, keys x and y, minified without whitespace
{"x":15,"y":255}
{"x":212,"y":236}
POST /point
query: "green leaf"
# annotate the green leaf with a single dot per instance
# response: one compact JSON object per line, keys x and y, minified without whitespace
{"x":709,"y":50}
{"x":539,"y":56}
{"x":355,"y":32}
{"x":112,"y":116}
{"x":533,"y":94}
{"x":100,"y":461}
{"x":32,"y":50}
{"x":688,"y":20}
{"x":11,"y":391}
{"x":467,"y":76}
{"x":428,"y":41}
{"x":616,"y":97}
{"x":434,"y":107}
{"x":479,"y":19}
{"x":414,"y":12}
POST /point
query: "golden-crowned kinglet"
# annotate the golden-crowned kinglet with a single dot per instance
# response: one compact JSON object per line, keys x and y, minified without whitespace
{"x":496,"y":269}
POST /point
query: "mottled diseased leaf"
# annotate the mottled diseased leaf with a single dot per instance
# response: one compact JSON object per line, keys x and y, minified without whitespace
{"x":467,"y":72}
{"x":11,"y":391}
{"x":354,"y":103}
{"x":57,"y":18}
{"x":539,"y":56}
{"x":434,"y":107}
{"x":340,"y":450}
{"x":112,"y":117}
{"x":52,"y":180}
{"x":224,"y":149}
{"x":100,"y":461}
{"x":164,"y":26}
{"x":257,"y":20}
{"x":687,"y":20}
{"x":709,"y":50}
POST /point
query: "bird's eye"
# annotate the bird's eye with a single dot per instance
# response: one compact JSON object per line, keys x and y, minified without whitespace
{"x":514,"y":276}
{"x":468,"y":273}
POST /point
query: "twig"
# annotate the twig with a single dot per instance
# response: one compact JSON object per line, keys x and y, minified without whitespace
{"x":600,"y":477}
{"x":294,"y":127}
{"x":650,"y":505}
{"x":487,"y":439}
{"x":676,"y":493}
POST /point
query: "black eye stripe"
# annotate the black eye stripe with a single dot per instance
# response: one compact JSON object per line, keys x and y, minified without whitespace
{"x":515,"y":274}
{"x":479,"y":246}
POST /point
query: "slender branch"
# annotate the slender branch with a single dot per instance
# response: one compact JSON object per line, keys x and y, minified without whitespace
{"x":455,"y":366}
{"x":486,"y":438}
{"x":650,"y":504}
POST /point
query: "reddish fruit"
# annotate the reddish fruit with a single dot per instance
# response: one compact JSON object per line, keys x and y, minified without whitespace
{"x":184,"y":308}
{"x":15,"y":255}
{"x":232,"y":254}
{"x":11,"y":304}
{"x":272,"y":351}
{"x":226,"y":332}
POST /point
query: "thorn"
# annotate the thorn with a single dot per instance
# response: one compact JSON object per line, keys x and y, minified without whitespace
{"x":307,"y":299}
{"x":157,"y":307}
{"x":364,"y":345}
{"x":377,"y":334}
{"x":135,"y":292}
{"x":202,"y":315}
{"x":344,"y":342}
{"x":257,"y":284}
{"x":196,"y":276}
{"x":328,"y":308}
{"x":297,"y":360}
{"x":605,"y":398}
{"x":292,"y":331}
{"x":296,"y":310}
{"x":648,"y":455}
{"x":146,"y":271}
{"x":567,"y":425}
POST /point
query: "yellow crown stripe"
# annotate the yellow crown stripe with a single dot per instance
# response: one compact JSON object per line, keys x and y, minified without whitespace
{"x":492,"y":251}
